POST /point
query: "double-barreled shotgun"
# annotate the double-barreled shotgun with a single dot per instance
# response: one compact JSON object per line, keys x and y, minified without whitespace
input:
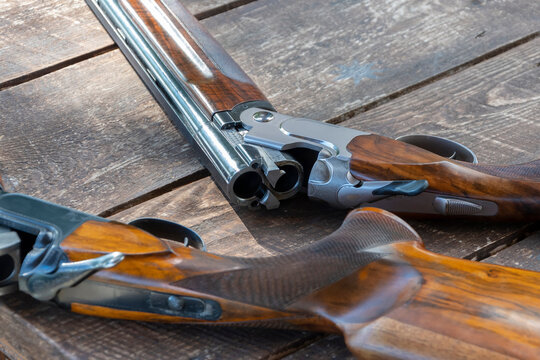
{"x":371,"y":280}
{"x":260,"y":157}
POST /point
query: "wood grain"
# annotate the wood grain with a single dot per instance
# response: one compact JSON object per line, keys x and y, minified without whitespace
{"x":137,"y":339}
{"x":48,"y":137}
{"x":523,"y":255}
{"x":90,"y":337}
{"x":32,"y":159}
{"x":514,"y":189}
{"x":464,"y":305}
{"x":326,"y":59}
{"x":373,"y":276}
{"x":200,"y":64}
{"x":41,"y":35}
{"x":317,"y":45}
{"x":118,"y":109}
{"x":201,"y":205}
{"x":492,"y":108}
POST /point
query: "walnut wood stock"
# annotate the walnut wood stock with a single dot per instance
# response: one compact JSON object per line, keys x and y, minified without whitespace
{"x":192,"y":54}
{"x":371,"y":280}
{"x":514,"y":188}
{"x":421,"y":305}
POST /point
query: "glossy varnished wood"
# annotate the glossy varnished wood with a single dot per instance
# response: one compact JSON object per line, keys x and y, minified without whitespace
{"x":192,"y":54}
{"x":366,"y":279}
{"x":485,"y":310}
{"x":154,"y":264}
{"x":307,"y":46}
{"x":41,"y":37}
{"x":492,"y":108}
{"x":515,"y":188}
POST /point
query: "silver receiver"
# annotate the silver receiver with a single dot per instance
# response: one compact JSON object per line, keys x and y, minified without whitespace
{"x":330,"y":180}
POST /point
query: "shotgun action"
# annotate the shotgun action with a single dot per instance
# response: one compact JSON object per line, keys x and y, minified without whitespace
{"x":260,"y":157}
{"x":371,"y":280}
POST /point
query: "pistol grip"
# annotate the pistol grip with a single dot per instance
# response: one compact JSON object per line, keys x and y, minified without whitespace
{"x":513,"y":189}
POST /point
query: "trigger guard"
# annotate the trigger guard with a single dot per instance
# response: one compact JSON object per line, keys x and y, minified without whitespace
{"x":441,"y":146}
{"x":170,"y":230}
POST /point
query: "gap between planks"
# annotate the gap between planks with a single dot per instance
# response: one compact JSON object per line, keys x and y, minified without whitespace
{"x":198,"y":175}
{"x":447,"y":73}
{"x":68,"y":62}
{"x":223,"y":8}
{"x":294,"y":346}
{"x":477,"y":255}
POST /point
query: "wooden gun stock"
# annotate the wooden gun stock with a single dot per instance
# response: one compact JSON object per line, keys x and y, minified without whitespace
{"x":514,"y":189}
{"x":371,"y":280}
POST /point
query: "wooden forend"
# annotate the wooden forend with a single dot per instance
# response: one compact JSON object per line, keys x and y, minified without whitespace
{"x":193,"y":55}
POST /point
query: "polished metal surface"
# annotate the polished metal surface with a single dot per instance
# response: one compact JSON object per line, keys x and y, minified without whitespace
{"x":330,"y":180}
{"x":246,"y":174}
{"x":287,"y":133}
{"x":432,"y":203}
{"x":44,"y":285}
{"x":139,"y":299}
{"x":10,"y":260}
{"x":263,"y":116}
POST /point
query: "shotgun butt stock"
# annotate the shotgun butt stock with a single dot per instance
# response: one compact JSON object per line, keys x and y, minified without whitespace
{"x":371,"y":280}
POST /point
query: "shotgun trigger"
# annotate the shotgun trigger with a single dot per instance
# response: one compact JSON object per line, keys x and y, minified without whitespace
{"x":166,"y":229}
{"x":330,"y":181}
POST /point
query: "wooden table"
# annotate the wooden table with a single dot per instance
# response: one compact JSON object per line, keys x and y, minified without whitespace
{"x":78,"y":127}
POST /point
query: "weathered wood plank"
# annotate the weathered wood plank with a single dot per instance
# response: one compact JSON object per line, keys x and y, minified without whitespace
{"x":44,"y":34}
{"x":418,"y":44}
{"x":492,"y":108}
{"x":523,"y":255}
{"x":66,"y":143}
{"x":330,"y":57}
